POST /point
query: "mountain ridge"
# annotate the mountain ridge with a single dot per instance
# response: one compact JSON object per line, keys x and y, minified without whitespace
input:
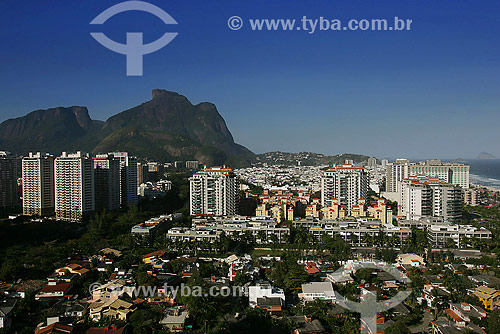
{"x":167,"y":127}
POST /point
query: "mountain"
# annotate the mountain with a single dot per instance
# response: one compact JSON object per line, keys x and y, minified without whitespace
{"x":485,"y":156}
{"x":168,"y":127}
{"x":308,"y":158}
{"x":52,"y":130}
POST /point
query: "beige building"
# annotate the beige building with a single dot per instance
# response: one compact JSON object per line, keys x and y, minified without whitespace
{"x":346,"y":183}
{"x":115,"y":309}
{"x":471,"y":197}
{"x":38,"y":184}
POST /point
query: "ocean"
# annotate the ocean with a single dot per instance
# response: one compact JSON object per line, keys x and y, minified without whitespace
{"x":485,"y":172}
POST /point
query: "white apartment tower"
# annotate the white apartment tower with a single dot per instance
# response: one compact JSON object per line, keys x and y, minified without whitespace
{"x":346,"y":183}
{"x":74,"y":186}
{"x":128,"y":178}
{"x":396,"y":172}
{"x":38,"y":184}
{"x":214,"y":191}
{"x":453,"y":173}
{"x":424,"y":196}
{"x":106,"y":182}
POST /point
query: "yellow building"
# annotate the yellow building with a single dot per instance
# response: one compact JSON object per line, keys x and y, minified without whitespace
{"x":488,"y":296}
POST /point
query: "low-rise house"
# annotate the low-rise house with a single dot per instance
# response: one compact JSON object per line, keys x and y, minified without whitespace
{"x":6,"y":308}
{"x":432,"y":295}
{"x":55,"y":328}
{"x":56,"y":290}
{"x":486,"y":280}
{"x":413,"y":260}
{"x":73,"y":268}
{"x":74,"y":310}
{"x":116,"y":309}
{"x":272,"y":305}
{"x":113,"y":329}
{"x":265,"y":290}
{"x":113,"y":290}
{"x":443,"y":326}
{"x":488,"y":296}
{"x":306,"y":325}
{"x":174,"y":319}
{"x":463,"y":313}
{"x":317,"y":290}
{"x":154,"y":256}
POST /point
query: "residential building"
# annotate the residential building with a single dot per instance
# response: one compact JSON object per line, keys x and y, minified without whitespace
{"x":174,"y":319}
{"x":267,"y":291}
{"x":488,"y":296}
{"x":192,"y":164}
{"x":471,"y":197}
{"x":424,"y":196}
{"x":214,"y":191}
{"x":152,"y":190}
{"x":38,"y":184}
{"x":114,"y":329}
{"x":116,"y":309}
{"x":128,"y":178}
{"x":317,"y":290}
{"x":412,"y":260}
{"x":8,"y":180}
{"x":55,"y":328}
{"x":396,"y":172}
{"x":74,"y":186}
{"x":346,"y":183}
{"x":372,"y":162}
{"x":113,"y":290}
{"x":456,"y":174}
{"x":463,"y":313}
{"x":54,"y":290}
{"x":106,"y":182}
{"x":7,"y":306}
{"x":441,"y":235}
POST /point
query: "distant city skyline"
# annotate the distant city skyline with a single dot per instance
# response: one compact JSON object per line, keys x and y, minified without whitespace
{"x":429,"y":92}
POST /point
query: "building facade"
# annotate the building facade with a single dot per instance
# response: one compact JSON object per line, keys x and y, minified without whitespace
{"x":38,"y":185}
{"x":74,"y":186}
{"x":8,"y":180}
{"x":456,"y":174}
{"x":423,"y":196}
{"x":396,"y":172}
{"x":106,"y":182}
{"x":345,"y":183}
{"x":128,"y":178}
{"x":214,"y":191}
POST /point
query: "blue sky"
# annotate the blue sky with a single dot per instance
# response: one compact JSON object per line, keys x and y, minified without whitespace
{"x":433,"y":91}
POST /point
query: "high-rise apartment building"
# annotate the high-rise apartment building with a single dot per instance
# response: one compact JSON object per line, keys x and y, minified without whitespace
{"x":214,"y":191}
{"x":106,"y":182}
{"x":74,"y":186}
{"x":345,"y":183}
{"x":424,"y":196}
{"x":396,"y":172}
{"x":454,"y":173}
{"x":8,"y":180}
{"x":38,"y":184}
{"x":372,"y":162}
{"x":128,"y":178}
{"x":194,"y":164}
